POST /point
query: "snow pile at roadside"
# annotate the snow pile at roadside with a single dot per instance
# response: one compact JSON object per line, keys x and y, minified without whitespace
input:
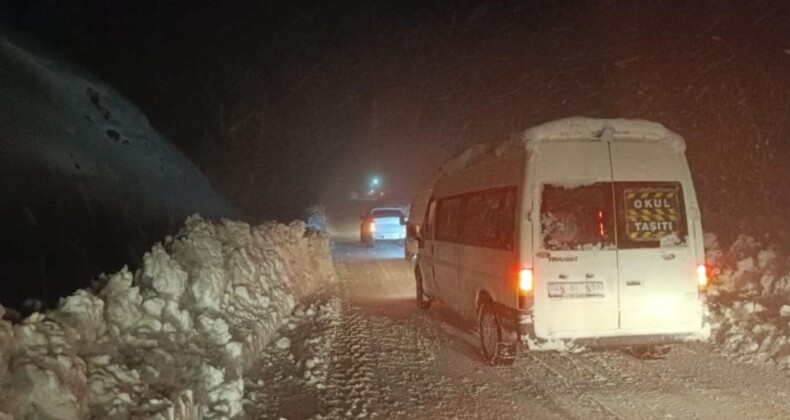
{"x":749,"y":301}
{"x":173,"y":339}
{"x":298,"y":362}
{"x":312,"y":331}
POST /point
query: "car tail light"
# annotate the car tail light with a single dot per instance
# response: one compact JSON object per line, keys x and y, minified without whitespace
{"x":525,"y":281}
{"x":372,"y":227}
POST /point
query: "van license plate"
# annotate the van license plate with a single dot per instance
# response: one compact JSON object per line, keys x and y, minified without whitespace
{"x":576,"y":289}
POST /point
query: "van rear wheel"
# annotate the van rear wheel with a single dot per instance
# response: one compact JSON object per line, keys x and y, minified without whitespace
{"x":651,"y":352}
{"x":423,"y":301}
{"x":491,"y":343}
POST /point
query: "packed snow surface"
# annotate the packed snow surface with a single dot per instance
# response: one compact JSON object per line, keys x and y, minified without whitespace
{"x":367,"y":351}
{"x":171,"y":340}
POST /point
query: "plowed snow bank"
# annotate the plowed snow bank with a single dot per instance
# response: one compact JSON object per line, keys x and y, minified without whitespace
{"x":750,"y":300}
{"x":171,"y":340}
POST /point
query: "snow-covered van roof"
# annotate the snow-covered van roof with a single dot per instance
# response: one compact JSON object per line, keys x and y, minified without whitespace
{"x":580,"y":128}
{"x":568,"y":129}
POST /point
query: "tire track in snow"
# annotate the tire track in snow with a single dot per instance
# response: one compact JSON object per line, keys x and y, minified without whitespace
{"x":289,"y":382}
{"x":683,"y":385}
{"x":562,"y":384}
{"x":350,"y":389}
{"x":426,"y":367}
{"x":638,"y":388}
{"x":750,"y":390}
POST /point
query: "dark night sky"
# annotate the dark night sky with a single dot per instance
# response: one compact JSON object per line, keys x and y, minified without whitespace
{"x":287,"y":103}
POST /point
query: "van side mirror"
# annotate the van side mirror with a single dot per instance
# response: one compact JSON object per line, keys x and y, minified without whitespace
{"x":411,"y":231}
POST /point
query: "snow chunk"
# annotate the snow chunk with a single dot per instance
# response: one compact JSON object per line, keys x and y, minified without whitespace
{"x":84,"y":312}
{"x":283,"y":343}
{"x":210,"y":376}
{"x":746,"y":264}
{"x":711,"y":241}
{"x":154,"y":307}
{"x":164,"y":274}
{"x":46,"y":396}
{"x":766,"y":258}
{"x":122,"y":308}
{"x":226,"y":398}
{"x":215,"y":329}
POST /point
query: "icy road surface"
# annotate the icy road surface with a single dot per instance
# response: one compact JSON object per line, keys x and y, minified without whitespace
{"x":367,"y":351}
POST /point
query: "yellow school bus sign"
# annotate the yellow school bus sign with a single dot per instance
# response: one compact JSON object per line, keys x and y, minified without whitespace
{"x":651,"y":213}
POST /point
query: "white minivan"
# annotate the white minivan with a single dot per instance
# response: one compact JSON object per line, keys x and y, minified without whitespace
{"x":580,"y":232}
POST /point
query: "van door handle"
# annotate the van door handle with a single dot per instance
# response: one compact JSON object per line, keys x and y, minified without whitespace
{"x":668,"y":256}
{"x":589,"y":275}
{"x":563,"y":276}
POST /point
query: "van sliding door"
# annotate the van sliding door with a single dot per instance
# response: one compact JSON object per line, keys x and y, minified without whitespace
{"x":446,"y":247}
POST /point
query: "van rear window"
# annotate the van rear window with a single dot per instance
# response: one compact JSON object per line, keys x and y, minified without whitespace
{"x":578,"y":217}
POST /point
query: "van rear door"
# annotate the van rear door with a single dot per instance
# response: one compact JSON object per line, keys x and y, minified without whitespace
{"x":575,"y":264}
{"x":658,"y":290}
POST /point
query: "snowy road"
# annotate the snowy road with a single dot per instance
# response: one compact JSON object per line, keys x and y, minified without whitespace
{"x":376,"y":355}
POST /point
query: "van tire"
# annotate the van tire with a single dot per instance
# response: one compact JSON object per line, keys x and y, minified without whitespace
{"x":490,"y":333}
{"x":650,"y":352}
{"x":423,"y":301}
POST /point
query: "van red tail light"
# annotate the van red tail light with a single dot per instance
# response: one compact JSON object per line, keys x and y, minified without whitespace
{"x":601,"y":225}
{"x":372,"y":227}
{"x":702,"y":276}
{"x":525,"y":281}
{"x":526,"y":288}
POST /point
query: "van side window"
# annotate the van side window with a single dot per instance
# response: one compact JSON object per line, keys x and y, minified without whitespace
{"x":479,"y":227}
{"x":506,"y":220}
{"x":448,"y":213}
{"x":489,"y":218}
{"x":430,"y":221}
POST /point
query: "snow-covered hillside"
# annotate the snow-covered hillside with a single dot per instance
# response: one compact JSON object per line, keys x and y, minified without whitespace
{"x":172,"y":339}
{"x":87,"y":184}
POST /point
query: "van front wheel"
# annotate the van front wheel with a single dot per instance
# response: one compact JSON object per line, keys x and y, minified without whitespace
{"x":491,"y":344}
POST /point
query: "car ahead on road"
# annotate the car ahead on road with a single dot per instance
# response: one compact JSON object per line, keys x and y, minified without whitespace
{"x":581,"y":232}
{"x":382,"y":224}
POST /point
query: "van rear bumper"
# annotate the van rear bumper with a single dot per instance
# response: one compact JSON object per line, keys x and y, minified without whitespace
{"x":633,"y":340}
{"x":521,"y":322}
